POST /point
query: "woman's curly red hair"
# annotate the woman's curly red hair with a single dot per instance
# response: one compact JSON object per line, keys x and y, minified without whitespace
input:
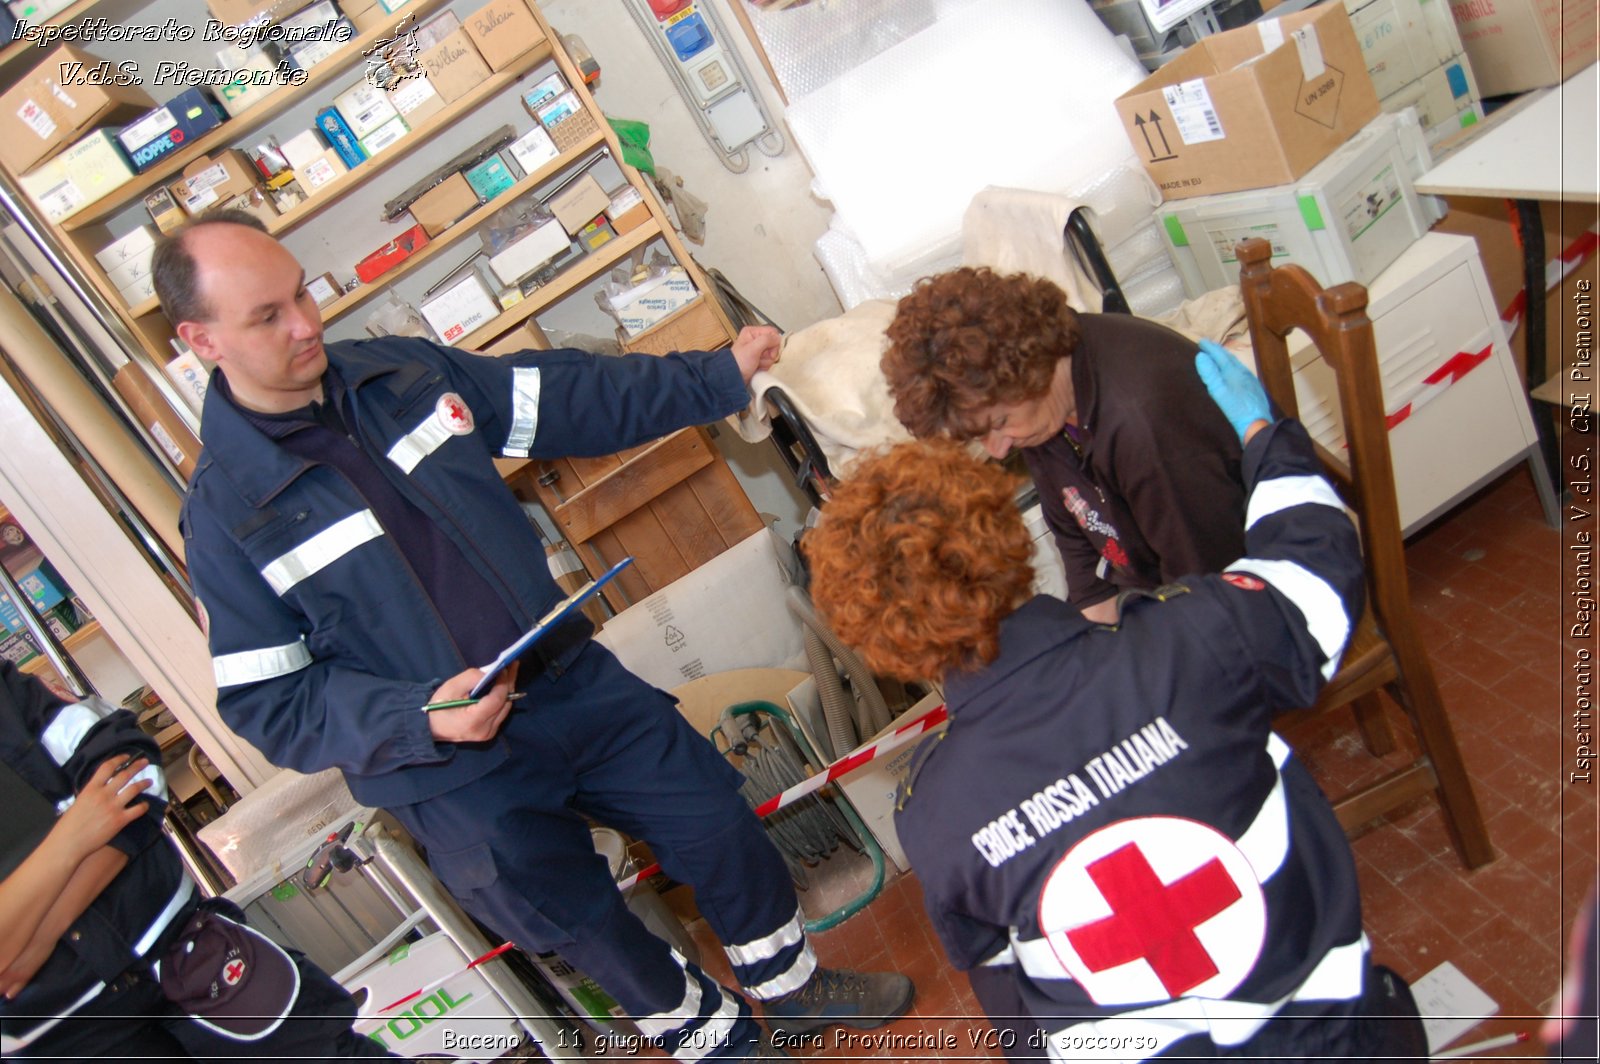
{"x":972,"y":338}
{"x":920,"y":553}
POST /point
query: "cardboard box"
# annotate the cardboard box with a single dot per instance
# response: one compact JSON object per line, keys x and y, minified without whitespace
{"x":255,"y":78}
{"x":323,"y":170}
{"x":1516,"y":45}
{"x":460,"y":307}
{"x":579,"y":203}
{"x":302,"y":148}
{"x":643,"y":305}
{"x":170,"y":127}
{"x":364,"y":108}
{"x":238,"y":12}
{"x":157,"y":417}
{"x":325,"y":289}
{"x":138,"y":290}
{"x":1252,"y":107}
{"x":385,"y":135}
{"x":18,"y":648}
{"x":503,"y":30}
{"x":391,"y":254}
{"x":368,"y":18}
{"x":533,"y":149}
{"x":529,"y":252}
{"x":136,"y":246}
{"x":416,"y":100}
{"x":38,"y":116}
{"x":489,"y":178}
{"x":164,"y":210}
{"x":79,"y":176}
{"x":208,"y":182}
{"x":436,"y":29}
{"x":190,"y":376}
{"x":552,"y":113}
{"x":129,"y":275}
{"x":627,"y":210}
{"x":254,"y":202}
{"x":543,"y":91}
{"x":596,"y":234}
{"x":341,"y":137}
{"x":444,"y":204}
{"x":454,"y":66}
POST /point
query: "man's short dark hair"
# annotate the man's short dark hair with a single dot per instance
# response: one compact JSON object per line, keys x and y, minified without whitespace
{"x":172,"y":268}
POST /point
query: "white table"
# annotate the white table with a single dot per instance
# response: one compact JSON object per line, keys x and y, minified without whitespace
{"x":1540,"y":147}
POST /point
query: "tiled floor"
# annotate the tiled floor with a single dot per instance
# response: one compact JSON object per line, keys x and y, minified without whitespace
{"x":1487,"y":585}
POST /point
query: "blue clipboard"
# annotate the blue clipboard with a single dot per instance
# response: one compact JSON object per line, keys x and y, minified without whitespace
{"x":545,"y":623}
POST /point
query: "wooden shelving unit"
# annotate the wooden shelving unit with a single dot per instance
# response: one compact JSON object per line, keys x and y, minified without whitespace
{"x":39,"y":663}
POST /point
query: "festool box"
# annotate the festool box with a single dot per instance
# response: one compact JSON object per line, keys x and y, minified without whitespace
{"x":1416,"y":59}
{"x":1348,"y":218}
{"x":1446,"y":100}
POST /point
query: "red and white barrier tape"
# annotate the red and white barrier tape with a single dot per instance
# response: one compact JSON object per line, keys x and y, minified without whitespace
{"x":842,"y":767}
{"x":1555,"y":271}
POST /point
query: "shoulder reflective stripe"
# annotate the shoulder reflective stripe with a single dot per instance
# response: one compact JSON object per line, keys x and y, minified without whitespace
{"x":768,"y":946}
{"x":71,"y":723}
{"x":1037,"y":958}
{"x":157,"y":778}
{"x":1337,"y":977}
{"x":321,"y":550}
{"x":793,"y":979}
{"x":659,"y":1023}
{"x":1280,"y":493}
{"x":524,"y":412}
{"x":1316,"y":600}
{"x":252,"y":666}
{"x":180,"y":898}
{"x":409,"y":450}
{"x":710,"y":1037}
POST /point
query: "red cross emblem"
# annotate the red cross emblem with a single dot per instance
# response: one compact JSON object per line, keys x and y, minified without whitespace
{"x":232,"y":972}
{"x":1244,"y":581}
{"x":453,"y":414}
{"x":1154,"y":908}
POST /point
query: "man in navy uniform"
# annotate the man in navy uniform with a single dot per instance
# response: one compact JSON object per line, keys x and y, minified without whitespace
{"x":95,"y":904}
{"x":356,"y":554}
{"x":1109,"y":837}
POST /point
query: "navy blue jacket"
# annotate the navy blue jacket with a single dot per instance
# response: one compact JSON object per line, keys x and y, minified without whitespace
{"x":55,"y":747}
{"x":1109,"y":834}
{"x":324,"y":642}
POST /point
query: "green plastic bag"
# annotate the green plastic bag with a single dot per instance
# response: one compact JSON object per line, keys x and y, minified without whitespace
{"x":635,"y":138}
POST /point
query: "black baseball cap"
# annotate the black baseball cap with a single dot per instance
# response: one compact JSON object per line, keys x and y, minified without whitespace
{"x":229,"y":977}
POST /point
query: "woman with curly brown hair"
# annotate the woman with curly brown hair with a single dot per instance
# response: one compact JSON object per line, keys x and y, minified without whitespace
{"x":1138,"y":474}
{"x":1109,"y":837}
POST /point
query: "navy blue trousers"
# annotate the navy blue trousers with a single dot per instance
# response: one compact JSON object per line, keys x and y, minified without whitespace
{"x":512,"y":848}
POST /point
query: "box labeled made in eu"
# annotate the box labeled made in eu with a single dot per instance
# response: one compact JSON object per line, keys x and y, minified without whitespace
{"x":1346,"y":220}
{"x":1252,"y":107}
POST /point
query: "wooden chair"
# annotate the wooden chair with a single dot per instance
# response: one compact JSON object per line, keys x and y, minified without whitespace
{"x":1385,"y":652}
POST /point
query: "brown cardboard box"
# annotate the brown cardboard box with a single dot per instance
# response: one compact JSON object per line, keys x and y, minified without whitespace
{"x":416,"y":101}
{"x":579,"y":203}
{"x":207,"y":182}
{"x":627,"y":210}
{"x":238,"y":12}
{"x":503,"y":30}
{"x":321,"y":171}
{"x":1219,"y":119}
{"x":157,"y":417}
{"x":525,"y":337}
{"x":38,"y":115}
{"x":444,"y":204}
{"x":454,"y":66}
{"x":1515,"y":45}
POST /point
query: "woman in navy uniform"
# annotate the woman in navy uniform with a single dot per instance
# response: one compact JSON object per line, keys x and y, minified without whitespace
{"x":1109,"y":836}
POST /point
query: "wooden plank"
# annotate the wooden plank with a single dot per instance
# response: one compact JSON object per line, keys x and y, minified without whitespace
{"x":656,"y":559}
{"x":725,"y":502}
{"x":691,"y":530}
{"x":633,"y":484}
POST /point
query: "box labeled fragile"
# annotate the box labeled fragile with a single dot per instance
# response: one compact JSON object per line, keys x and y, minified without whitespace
{"x":642,"y":306}
{"x":1515,"y":45}
{"x":1252,"y":107}
{"x":1346,"y":220}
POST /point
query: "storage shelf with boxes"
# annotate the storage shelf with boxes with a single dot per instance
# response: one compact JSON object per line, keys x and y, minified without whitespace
{"x":398,"y":75}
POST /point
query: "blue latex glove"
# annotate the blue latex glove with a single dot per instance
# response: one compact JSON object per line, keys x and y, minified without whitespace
{"x":1233,"y":387}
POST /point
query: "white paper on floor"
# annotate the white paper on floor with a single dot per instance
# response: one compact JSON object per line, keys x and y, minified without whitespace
{"x":1451,"y":1005}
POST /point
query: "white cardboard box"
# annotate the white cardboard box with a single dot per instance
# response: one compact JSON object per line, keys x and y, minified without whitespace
{"x":727,"y":614}
{"x":139,"y":244}
{"x":642,"y":306}
{"x":530,"y":252}
{"x":460,"y":308}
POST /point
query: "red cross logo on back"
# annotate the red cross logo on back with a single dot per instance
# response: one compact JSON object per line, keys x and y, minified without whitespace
{"x":232,"y":972}
{"x":1154,"y":908}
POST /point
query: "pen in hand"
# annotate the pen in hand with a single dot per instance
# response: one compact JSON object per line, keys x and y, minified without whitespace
{"x":457,"y":703}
